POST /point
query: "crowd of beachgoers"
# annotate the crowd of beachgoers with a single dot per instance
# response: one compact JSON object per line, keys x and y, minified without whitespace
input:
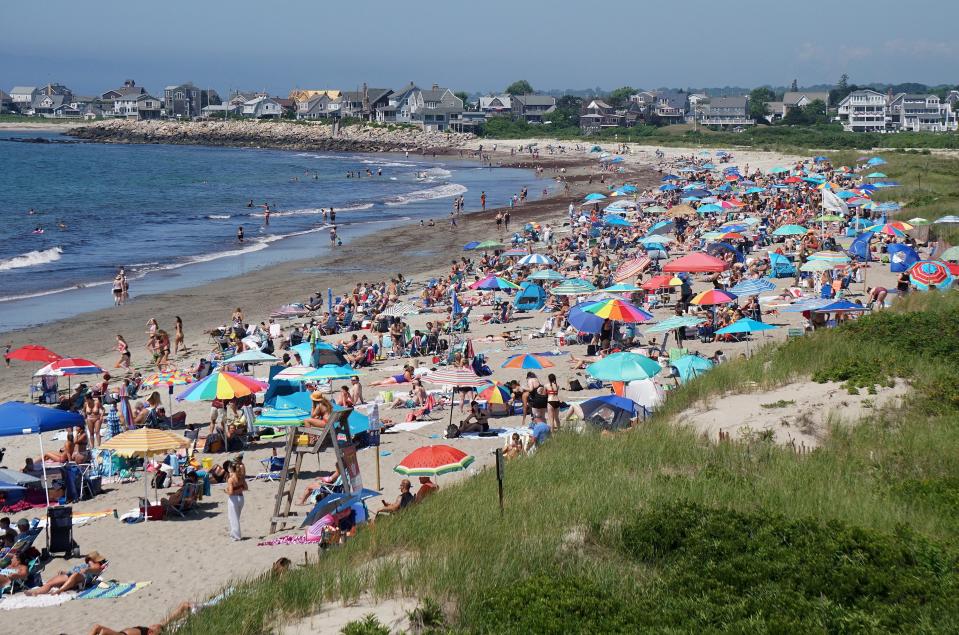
{"x":584,"y":320}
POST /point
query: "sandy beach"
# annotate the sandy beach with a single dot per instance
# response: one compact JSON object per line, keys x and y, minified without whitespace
{"x":192,"y":558}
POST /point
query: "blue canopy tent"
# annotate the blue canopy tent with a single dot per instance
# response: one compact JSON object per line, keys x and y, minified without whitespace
{"x":531,"y":297}
{"x":859,"y":249}
{"x":18,"y":418}
{"x":358,"y":421}
{"x":781,"y":266}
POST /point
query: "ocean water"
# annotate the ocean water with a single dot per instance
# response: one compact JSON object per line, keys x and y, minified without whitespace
{"x":169,"y":214}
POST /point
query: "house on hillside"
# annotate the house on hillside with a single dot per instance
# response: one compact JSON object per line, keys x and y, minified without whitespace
{"x":320,"y":106}
{"x":670,"y":106}
{"x":493,"y":105}
{"x":727,"y":112}
{"x":397,"y":107}
{"x":864,"y":110}
{"x":532,"y":108}
{"x":363,"y":103}
{"x":137,"y":105}
{"x":596,"y":115}
{"x":435,"y":108}
{"x":129,"y":88}
{"x":262,"y":108}
{"x":792,"y":99}
{"x":921,"y":113}
{"x":187,"y":100}
{"x":22,"y":98}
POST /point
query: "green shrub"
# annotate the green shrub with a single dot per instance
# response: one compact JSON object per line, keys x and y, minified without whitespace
{"x":369,"y":625}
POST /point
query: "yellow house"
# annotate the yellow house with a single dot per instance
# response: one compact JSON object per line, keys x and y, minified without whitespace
{"x":305,"y":95}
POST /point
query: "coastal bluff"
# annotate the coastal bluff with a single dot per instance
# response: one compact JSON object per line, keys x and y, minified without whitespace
{"x":274,"y":134}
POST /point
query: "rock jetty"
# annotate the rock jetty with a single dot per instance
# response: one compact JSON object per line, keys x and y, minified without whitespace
{"x":275,"y":134}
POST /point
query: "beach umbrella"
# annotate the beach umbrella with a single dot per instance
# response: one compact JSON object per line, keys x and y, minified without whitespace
{"x":675,"y":322}
{"x":616,"y":221}
{"x":494,"y":283}
{"x":546,"y":274}
{"x":745,"y":325}
{"x":839,"y":306}
{"x":527,"y":360}
{"x":696,"y":263}
{"x":536,"y":259}
{"x":623,"y":367}
{"x":655,"y":241}
{"x":69,"y":366}
{"x":827,"y":218}
{"x":33,"y":353}
{"x":293,"y":373}
{"x":818,"y":265}
{"x":470,"y":245}
{"x":752,"y":287}
{"x":712,"y":296}
{"x":669,"y":187}
{"x":778,"y":170}
{"x":681,"y":210}
{"x":169,"y":378}
{"x":434,"y":460}
{"x":495,"y":393}
{"x":622,"y":287}
{"x":514,"y":253}
{"x":755,"y":190}
{"x":400,"y":309}
{"x":835,"y":258}
{"x":330,"y":371}
{"x":250,"y":356}
{"x":662,"y":282}
{"x":145,"y":443}
{"x":486,"y":245}
{"x":282,"y":415}
{"x":790,"y":230}
{"x":662,"y":227}
{"x":950,"y":255}
{"x":926,"y":273}
{"x":709,"y":209}
{"x":631,"y":268}
{"x":947,"y":219}
{"x":655,"y":209}
{"x":583,"y":321}
{"x":221,"y":385}
{"x":875,"y":175}
{"x":918,"y":221}
{"x":595,"y":196}
{"x":690,"y":366}
{"x":876,"y":161}
{"x":573,"y":286}
{"x":459,"y":377}
{"x":619,"y":311}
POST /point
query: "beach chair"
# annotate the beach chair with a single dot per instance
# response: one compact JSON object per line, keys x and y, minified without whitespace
{"x":188,"y":495}
{"x":386,"y":350}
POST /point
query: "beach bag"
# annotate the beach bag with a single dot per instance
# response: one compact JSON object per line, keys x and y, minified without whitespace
{"x":159,"y":480}
{"x":575,"y":385}
{"x":213,"y":443}
{"x":452,"y":431}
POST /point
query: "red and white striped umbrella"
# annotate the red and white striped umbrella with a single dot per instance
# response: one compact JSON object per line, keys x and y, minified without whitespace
{"x":631,"y":268}
{"x":458,"y":377}
{"x":69,"y":366}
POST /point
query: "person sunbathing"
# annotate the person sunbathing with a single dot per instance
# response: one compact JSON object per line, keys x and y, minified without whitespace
{"x":404,"y":378}
{"x":403,"y":500}
{"x":16,"y":570}
{"x":185,"y":497}
{"x":476,"y":421}
{"x":323,"y":483}
{"x":514,"y":448}
{"x":79,"y":577}
{"x":66,"y":454}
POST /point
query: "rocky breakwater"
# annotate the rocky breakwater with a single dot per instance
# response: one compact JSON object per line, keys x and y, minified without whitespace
{"x":275,"y":134}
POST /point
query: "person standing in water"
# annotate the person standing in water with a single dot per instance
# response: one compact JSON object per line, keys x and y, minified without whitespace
{"x":239,"y":234}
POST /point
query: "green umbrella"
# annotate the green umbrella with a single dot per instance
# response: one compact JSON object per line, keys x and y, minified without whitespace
{"x":950,"y":255}
{"x":486,"y":245}
{"x":828,"y":218}
{"x":674,"y":322}
{"x":818,"y":265}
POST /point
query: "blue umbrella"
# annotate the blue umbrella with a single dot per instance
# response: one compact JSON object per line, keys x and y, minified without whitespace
{"x":745,"y":325}
{"x":595,"y":196}
{"x":689,"y":366}
{"x":841,"y":306}
{"x":752,"y":287}
{"x":617,"y":221}
{"x":876,"y":161}
{"x":470,"y":245}
{"x":18,"y":418}
{"x":624,"y":367}
{"x":668,"y":188}
{"x":584,"y":321}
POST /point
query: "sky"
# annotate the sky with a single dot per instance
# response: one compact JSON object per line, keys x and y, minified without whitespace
{"x":476,"y":46}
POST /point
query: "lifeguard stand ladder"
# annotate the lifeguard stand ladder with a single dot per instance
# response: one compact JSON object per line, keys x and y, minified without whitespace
{"x":286,"y":486}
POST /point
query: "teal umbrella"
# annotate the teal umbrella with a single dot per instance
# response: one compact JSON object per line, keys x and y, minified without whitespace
{"x":690,"y":366}
{"x":790,"y":230}
{"x":675,"y":322}
{"x":624,"y":367}
{"x":546,"y":274}
{"x":330,"y":371}
{"x":745,"y":325}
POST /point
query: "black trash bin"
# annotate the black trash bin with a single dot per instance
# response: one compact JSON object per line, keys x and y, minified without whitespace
{"x":60,"y":531}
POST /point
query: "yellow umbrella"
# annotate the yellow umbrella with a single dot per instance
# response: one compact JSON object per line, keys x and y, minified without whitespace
{"x":145,"y":442}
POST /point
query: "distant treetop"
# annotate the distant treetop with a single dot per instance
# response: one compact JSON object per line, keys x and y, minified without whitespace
{"x":520,"y":87}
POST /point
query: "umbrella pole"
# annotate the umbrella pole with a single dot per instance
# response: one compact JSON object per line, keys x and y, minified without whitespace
{"x":43,"y":467}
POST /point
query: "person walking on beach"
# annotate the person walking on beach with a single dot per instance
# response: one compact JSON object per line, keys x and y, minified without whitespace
{"x":483,"y":200}
{"x":333,"y":236}
{"x":506,"y":220}
{"x":239,"y":234}
{"x":124,"y":349}
{"x":178,"y":336}
{"x":117,"y":290}
{"x":452,"y":221}
{"x":266,"y":214}
{"x":235,"y":486}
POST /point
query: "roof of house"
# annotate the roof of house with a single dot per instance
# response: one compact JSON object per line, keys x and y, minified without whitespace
{"x":597,"y":103}
{"x":57,"y":100}
{"x":309,"y":93}
{"x":674,"y":98}
{"x":146,"y":96}
{"x":4,"y":96}
{"x":791,"y":98}
{"x":175,"y":86}
{"x":435,"y":94}
{"x":535,"y":100}
{"x":22,"y":90}
{"x":728,"y":102}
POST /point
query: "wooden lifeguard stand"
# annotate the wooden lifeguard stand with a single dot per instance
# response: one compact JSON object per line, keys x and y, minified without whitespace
{"x":323,"y":438}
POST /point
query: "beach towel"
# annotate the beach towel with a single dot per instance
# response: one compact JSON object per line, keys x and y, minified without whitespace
{"x":295,"y":539}
{"x":409,"y":426}
{"x":111,"y":589}
{"x":500,"y":432}
{"x":21,"y":601}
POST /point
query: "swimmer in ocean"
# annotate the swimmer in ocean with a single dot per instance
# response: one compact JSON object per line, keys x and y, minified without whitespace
{"x":239,"y":234}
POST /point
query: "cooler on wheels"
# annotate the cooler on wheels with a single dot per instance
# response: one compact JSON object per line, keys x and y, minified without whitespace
{"x":60,"y":532}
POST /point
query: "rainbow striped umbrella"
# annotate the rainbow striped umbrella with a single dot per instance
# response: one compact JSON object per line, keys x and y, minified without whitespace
{"x":712,"y":296}
{"x":496,"y":393}
{"x":895,"y":228}
{"x":221,"y":385}
{"x":494,"y":283}
{"x":527,"y":360}
{"x":434,"y":460}
{"x":171,"y":377}
{"x":618,"y":310}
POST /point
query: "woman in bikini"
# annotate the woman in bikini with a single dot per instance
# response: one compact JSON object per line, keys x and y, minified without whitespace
{"x":79,"y":577}
{"x":553,"y":402}
{"x":93,"y":414}
{"x":178,"y":342}
{"x":124,"y":349}
{"x":404,"y":378}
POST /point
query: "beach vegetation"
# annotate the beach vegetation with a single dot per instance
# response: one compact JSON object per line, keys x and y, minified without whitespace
{"x":369,"y":625}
